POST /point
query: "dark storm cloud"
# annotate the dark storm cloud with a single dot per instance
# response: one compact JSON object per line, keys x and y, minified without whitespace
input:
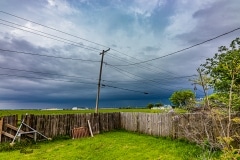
{"x":216,"y":19}
{"x":135,"y":29}
{"x":47,"y":84}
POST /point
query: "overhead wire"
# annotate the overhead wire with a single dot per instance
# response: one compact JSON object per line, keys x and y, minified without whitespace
{"x":133,"y":74}
{"x":50,"y":79}
{"x":112,"y":48}
{"x":49,"y":56}
{"x":38,"y":72}
{"x":178,"y":51}
{"x":104,"y":85}
{"x":64,"y":41}
{"x":86,"y":83}
{"x":144,"y":79}
{"x":147,"y":68}
{"x":62,"y":32}
{"x":86,"y":47}
{"x":121,"y":52}
{"x":52,"y":28}
{"x":38,"y":54}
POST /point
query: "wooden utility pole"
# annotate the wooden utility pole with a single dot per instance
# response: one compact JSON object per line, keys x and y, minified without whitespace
{"x":99,"y":80}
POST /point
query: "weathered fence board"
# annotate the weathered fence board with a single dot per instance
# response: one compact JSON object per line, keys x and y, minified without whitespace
{"x":195,"y":127}
{"x":55,"y":125}
{"x":188,"y":126}
{"x":12,"y":120}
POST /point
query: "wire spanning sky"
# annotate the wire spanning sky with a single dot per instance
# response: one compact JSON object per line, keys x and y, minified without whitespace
{"x":50,"y":49}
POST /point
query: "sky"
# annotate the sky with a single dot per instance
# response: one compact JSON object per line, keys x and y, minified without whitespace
{"x":50,"y":49}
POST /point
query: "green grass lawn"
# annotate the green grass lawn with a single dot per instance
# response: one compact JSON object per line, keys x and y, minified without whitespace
{"x":117,"y":145}
{"x":41,"y":112}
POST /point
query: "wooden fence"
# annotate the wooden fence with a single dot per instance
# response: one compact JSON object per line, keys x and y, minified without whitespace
{"x":56,"y":125}
{"x":195,"y":127}
{"x":6,"y":132}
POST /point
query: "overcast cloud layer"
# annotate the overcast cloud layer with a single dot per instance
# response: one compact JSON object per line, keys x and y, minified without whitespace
{"x":134,"y":31}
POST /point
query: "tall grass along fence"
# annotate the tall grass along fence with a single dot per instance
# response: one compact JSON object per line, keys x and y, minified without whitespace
{"x":57,"y":125}
{"x":195,"y":127}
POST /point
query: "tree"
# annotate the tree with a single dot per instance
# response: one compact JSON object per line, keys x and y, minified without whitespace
{"x":182,"y":98}
{"x":224,"y":68}
{"x":204,"y":81}
{"x":159,"y":104}
{"x":150,"y":105}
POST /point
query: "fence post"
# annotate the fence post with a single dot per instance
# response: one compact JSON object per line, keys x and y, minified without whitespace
{"x":1,"y":123}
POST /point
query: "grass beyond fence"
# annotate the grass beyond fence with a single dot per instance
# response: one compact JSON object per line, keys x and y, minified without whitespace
{"x":58,"y":112}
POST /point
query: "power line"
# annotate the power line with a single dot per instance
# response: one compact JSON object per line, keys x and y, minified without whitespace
{"x":52,"y":28}
{"x":50,"y":79}
{"x":121,"y":70}
{"x":183,"y":48}
{"x":64,"y":41}
{"x":67,"y":34}
{"x":75,"y":76}
{"x":141,"y":81}
{"x":104,"y":85}
{"x":147,"y":68}
{"x":132,"y":74}
{"x":11,"y":75}
{"x":34,"y":54}
{"x":38,"y":72}
{"x":49,"y":34}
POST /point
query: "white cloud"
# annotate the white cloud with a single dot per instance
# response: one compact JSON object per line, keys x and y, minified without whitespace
{"x":146,"y":7}
{"x":182,"y":20}
{"x":61,"y":6}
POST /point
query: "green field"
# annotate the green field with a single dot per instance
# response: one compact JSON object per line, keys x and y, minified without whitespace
{"x":117,"y":145}
{"x":48,"y":112}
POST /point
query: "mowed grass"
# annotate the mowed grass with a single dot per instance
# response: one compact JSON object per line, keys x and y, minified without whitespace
{"x":117,"y":145}
{"x":56,"y":112}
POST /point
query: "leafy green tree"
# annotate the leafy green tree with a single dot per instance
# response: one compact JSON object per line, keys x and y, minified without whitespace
{"x":150,"y":105}
{"x":224,"y":69}
{"x":182,"y":98}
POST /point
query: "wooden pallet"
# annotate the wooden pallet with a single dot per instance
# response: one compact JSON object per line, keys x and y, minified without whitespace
{"x":80,"y":132}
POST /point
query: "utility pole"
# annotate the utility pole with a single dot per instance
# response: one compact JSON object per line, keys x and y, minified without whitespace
{"x":99,"y":80}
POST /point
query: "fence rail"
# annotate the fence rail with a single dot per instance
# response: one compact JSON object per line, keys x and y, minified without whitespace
{"x":56,"y":125}
{"x":193,"y":127}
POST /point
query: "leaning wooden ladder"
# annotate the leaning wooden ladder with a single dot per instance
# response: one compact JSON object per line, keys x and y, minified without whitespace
{"x":20,"y":132}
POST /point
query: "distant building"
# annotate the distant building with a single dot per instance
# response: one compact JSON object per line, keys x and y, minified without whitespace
{"x":155,"y":108}
{"x":74,"y":108}
{"x":53,"y":109}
